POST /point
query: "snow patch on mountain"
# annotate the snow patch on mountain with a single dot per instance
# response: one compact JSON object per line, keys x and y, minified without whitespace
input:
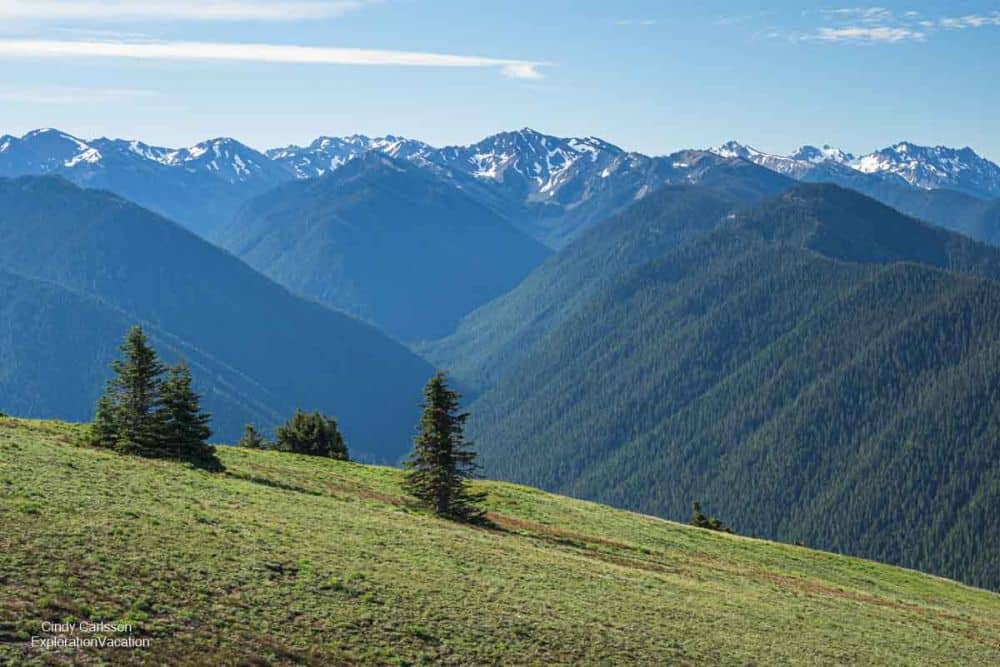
{"x":925,"y":167}
{"x":328,"y":153}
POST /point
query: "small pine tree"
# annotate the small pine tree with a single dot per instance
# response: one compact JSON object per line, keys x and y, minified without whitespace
{"x":701,"y":520}
{"x":251,"y":439}
{"x":184,"y":429}
{"x":127,"y":418}
{"x":311,"y":433}
{"x":442,"y":462}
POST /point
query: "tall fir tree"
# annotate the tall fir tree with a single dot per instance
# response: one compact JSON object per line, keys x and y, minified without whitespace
{"x":442,"y":461}
{"x":134,"y":393}
{"x":184,"y":429}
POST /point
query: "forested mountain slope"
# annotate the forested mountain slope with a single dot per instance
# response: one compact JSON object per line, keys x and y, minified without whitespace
{"x":385,"y":241}
{"x":272,"y":348}
{"x":494,"y":339}
{"x":57,"y":347}
{"x":957,"y":211}
{"x":821,"y":368}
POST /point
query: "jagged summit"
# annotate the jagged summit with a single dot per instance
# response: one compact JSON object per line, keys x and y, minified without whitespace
{"x":924,"y":167}
{"x":823,"y":153}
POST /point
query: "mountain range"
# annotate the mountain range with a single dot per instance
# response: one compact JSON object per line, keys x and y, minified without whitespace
{"x":925,"y":167}
{"x":551,"y":188}
{"x":199,"y":187}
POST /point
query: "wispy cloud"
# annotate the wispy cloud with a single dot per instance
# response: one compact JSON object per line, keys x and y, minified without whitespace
{"x":636,"y":22}
{"x":878,"y":25}
{"x":267,"y":53}
{"x":863,"y":14}
{"x":873,"y":34}
{"x":69,"y":95}
{"x":179,"y":10}
{"x":970,"y":21}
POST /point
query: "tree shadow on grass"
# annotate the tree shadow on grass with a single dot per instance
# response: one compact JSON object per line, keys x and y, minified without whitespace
{"x":264,"y":481}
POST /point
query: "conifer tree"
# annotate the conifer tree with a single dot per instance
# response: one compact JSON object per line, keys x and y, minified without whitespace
{"x":251,"y":438}
{"x":184,"y":427}
{"x":104,"y":432}
{"x":134,"y":393}
{"x":311,"y":433}
{"x":442,"y":461}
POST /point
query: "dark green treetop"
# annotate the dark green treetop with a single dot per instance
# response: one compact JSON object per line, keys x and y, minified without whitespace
{"x":185,"y":429}
{"x":311,"y":433}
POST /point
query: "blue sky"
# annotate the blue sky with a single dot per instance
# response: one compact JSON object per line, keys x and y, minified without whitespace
{"x":653,"y":76}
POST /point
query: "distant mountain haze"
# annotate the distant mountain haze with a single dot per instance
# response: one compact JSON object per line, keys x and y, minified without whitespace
{"x":385,"y":241}
{"x":264,"y":347}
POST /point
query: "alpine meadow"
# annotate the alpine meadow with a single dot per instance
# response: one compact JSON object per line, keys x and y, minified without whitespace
{"x":436,"y":333}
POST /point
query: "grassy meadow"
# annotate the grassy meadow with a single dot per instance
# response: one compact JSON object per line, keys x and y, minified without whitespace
{"x":286,"y":559}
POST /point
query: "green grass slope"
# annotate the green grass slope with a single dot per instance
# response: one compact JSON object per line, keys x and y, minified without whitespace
{"x":294,"y":560}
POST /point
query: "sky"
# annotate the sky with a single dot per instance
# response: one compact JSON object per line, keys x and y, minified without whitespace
{"x":649,"y":75}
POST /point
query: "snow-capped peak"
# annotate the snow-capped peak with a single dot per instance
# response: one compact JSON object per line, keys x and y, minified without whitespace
{"x":529,"y":161}
{"x":56,"y":149}
{"x":825,"y":153}
{"x":224,"y":157}
{"x":734,"y":149}
{"x":787,"y":165}
{"x":928,"y":167}
{"x":935,"y":167}
{"x":49,"y":134}
{"x":327,"y":153}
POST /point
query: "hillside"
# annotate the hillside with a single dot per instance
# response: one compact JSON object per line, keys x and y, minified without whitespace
{"x":495,"y":338}
{"x":384,"y":241}
{"x":950,"y":209}
{"x":821,"y":368}
{"x":257,"y":343}
{"x":51,"y":326}
{"x":284,"y":559}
